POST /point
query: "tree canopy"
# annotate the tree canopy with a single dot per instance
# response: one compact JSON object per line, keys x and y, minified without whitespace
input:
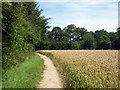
{"x":73,"y":37}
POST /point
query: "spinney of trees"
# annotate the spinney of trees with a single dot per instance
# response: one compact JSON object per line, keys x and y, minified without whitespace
{"x":25,"y":30}
{"x":73,"y":37}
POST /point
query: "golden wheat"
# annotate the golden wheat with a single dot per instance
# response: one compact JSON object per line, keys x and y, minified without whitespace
{"x":94,"y":68}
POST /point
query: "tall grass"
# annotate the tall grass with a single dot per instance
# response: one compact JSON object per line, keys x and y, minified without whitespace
{"x":26,"y":75}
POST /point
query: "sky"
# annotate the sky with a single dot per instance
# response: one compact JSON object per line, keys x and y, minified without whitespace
{"x":90,"y":14}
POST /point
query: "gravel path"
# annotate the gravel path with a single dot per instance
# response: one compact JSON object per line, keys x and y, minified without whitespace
{"x":51,"y":77}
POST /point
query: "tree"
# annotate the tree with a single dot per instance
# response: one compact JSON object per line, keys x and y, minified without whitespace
{"x":57,"y":34}
{"x":104,"y":42}
{"x":55,"y":38}
{"x":114,"y":40}
{"x":38,"y":24}
{"x":23,"y":29}
{"x":89,"y":41}
{"x":80,"y":32}
{"x":118,"y":31}
{"x":74,"y":33}
{"x":70,"y":32}
{"x":118,"y":41}
{"x":100,"y":33}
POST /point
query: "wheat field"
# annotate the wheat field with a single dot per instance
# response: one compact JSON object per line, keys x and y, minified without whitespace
{"x":88,"y":68}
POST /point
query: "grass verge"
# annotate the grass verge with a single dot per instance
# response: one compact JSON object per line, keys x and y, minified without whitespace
{"x":27,"y":75}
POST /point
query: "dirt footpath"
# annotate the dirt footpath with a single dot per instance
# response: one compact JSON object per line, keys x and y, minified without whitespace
{"x":51,"y":77}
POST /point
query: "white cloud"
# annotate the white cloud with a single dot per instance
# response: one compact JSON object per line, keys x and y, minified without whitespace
{"x":91,"y":24}
{"x":92,"y":15}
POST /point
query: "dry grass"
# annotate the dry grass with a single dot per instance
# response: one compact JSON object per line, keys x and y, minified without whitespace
{"x":88,"y":68}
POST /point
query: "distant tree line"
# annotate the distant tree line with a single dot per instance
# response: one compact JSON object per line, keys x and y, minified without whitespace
{"x":76,"y":38}
{"x":25,"y":30}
